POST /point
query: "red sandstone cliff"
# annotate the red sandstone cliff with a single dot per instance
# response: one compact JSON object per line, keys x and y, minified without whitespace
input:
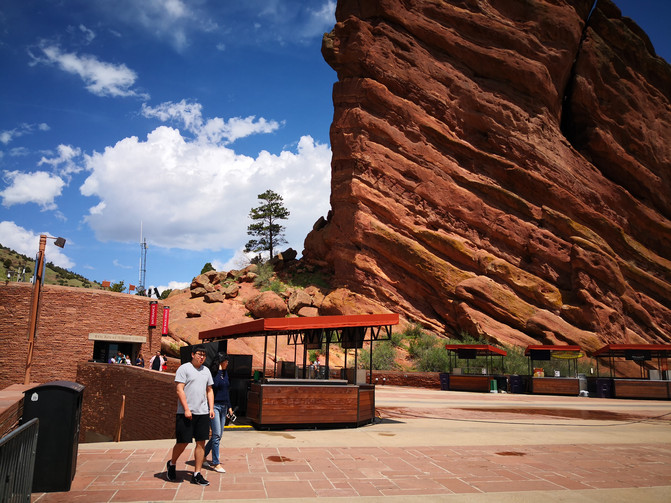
{"x":501,"y":168}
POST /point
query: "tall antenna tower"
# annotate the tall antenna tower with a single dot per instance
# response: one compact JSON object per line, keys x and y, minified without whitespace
{"x":143,"y":263}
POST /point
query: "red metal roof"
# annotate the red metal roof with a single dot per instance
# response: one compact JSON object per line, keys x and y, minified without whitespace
{"x":482,"y":349}
{"x":575,"y":349}
{"x":265,"y":325}
{"x":620,"y":349}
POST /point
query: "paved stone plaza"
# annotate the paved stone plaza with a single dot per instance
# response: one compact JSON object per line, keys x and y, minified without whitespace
{"x":427,"y":445}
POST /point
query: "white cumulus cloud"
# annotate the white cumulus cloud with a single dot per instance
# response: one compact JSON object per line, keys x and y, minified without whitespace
{"x":65,"y":162}
{"x":100,"y":78}
{"x":214,"y":130}
{"x":196,"y":194}
{"x":39,"y":187}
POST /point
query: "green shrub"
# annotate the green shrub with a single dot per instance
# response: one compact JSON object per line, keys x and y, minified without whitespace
{"x":397,"y":340}
{"x":435,"y":359}
{"x":264,"y":273}
{"x":266,"y":279}
{"x":305,"y":279}
{"x":419,"y":345}
{"x":384,"y":357}
{"x":515,"y":362}
{"x":413,"y":331}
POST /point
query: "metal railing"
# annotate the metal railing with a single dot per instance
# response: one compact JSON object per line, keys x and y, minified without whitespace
{"x":17,"y":463}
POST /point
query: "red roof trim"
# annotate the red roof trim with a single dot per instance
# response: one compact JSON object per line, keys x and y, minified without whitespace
{"x":621,"y":348}
{"x":482,"y":349}
{"x":576,"y":349}
{"x":265,"y":325}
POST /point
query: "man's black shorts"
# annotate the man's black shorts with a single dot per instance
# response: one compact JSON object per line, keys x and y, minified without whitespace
{"x":198,"y":428}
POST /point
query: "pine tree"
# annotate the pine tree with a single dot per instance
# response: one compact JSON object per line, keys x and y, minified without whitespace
{"x":269,"y":234}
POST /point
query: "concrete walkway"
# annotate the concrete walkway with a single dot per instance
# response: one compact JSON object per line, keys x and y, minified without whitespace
{"x":427,"y":445}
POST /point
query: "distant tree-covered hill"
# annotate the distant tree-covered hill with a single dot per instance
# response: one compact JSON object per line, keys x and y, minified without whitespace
{"x":15,"y":266}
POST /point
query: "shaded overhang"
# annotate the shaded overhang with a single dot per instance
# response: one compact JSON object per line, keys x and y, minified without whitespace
{"x":565,"y":351}
{"x":301,"y":330}
{"x":632,"y":350}
{"x":479,"y":349}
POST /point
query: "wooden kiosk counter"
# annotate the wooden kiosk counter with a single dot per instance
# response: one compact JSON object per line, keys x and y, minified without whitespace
{"x":468,"y":352}
{"x":654,"y":380}
{"x":541,"y":384}
{"x":302,"y":402}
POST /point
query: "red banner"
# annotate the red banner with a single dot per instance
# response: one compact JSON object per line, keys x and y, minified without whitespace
{"x":153,"y":314}
{"x":166,"y":317}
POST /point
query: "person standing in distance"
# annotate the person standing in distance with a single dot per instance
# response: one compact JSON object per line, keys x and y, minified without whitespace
{"x":195,"y":409}
{"x":156,"y":361}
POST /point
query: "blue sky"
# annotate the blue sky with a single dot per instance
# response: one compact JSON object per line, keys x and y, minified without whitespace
{"x":170,"y":116}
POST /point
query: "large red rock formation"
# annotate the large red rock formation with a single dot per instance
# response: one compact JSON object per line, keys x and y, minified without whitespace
{"x":501,"y":168}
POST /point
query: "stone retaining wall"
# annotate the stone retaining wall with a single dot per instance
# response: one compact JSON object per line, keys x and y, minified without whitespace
{"x":149,"y":407}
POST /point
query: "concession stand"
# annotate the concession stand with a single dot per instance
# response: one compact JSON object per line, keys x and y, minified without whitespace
{"x":295,"y":399}
{"x":457,"y":380}
{"x":653,"y":362}
{"x":569,"y":384}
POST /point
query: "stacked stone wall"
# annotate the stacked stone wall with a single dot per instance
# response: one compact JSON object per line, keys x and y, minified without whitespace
{"x":148,"y":398}
{"x":412,"y":379}
{"x":66,"y":318}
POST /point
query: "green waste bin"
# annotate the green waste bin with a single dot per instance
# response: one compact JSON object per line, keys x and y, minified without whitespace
{"x":493,"y":386}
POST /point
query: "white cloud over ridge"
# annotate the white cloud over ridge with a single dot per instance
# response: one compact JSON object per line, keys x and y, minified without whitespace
{"x":196,"y":194}
{"x":100,"y":78}
{"x":27,"y":242}
{"x":320,"y":19}
{"x":294,"y":21}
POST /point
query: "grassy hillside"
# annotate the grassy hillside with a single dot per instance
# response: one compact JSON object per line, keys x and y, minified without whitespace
{"x":13,"y":263}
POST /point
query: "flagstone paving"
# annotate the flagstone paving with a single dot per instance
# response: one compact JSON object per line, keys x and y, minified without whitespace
{"x":442,"y":457}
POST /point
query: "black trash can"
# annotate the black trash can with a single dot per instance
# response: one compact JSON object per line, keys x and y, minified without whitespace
{"x":502,"y":384}
{"x":517,"y":384}
{"x":604,"y":387}
{"x":444,"y":381}
{"x":58,"y":406}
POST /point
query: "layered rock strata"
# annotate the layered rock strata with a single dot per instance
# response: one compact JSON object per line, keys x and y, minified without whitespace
{"x":501,"y":168}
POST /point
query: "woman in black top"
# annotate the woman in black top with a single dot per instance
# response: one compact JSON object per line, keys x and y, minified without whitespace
{"x":222,"y":408}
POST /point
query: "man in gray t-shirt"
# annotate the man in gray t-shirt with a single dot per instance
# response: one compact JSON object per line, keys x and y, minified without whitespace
{"x":195,"y":408}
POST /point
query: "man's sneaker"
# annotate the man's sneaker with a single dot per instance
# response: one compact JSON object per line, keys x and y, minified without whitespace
{"x":171,"y":472}
{"x":199,"y":480}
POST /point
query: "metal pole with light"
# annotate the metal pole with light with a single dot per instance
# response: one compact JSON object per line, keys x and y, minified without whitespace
{"x":35,"y":299}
